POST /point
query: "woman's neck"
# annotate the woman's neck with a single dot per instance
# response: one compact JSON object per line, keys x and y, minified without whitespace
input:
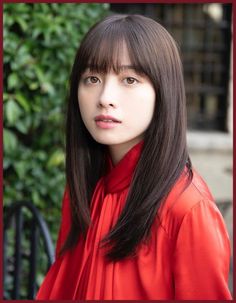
{"x":118,"y":151}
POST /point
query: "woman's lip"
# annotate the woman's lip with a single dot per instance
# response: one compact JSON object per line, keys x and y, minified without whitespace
{"x":106,"y":124}
{"x":106,"y":119}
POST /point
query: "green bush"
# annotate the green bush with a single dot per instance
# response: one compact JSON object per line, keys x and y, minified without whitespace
{"x":40,"y":41}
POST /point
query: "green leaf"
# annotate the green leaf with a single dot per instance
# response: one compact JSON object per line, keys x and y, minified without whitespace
{"x":22,"y":23}
{"x":13,"y":81}
{"x":40,"y":74}
{"x":36,"y":198}
{"x":23,"y":101}
{"x":22,"y":126}
{"x":33,"y":85}
{"x":57,"y":158}
{"x":13,"y":111}
{"x":20,"y":168}
{"x":9,"y":141}
{"x":6,"y":162}
{"x":47,"y":88}
{"x":5,"y":97}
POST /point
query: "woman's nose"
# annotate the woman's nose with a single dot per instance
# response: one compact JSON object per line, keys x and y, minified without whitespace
{"x":109,"y":94}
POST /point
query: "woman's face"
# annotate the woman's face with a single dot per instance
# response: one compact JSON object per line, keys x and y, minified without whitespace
{"x":116,"y":108}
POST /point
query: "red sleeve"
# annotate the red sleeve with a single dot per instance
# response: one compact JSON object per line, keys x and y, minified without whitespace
{"x":65,"y":222}
{"x":202,"y":255}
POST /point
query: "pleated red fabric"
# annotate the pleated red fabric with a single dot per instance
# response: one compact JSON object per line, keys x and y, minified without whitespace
{"x":186,"y":258}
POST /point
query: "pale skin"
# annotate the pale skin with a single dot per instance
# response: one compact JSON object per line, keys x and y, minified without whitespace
{"x":127,"y":97}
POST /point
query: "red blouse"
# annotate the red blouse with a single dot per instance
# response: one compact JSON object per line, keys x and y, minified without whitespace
{"x":187,"y":257}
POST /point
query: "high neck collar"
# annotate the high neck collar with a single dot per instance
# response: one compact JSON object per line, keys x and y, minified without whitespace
{"x":120,"y":175}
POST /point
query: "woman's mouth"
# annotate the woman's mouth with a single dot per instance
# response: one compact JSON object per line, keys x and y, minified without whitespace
{"x":105,"y":122}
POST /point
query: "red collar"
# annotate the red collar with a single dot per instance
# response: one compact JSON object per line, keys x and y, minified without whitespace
{"x":119,"y":176}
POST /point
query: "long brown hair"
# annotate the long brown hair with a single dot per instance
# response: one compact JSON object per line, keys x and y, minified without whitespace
{"x":153,"y":52}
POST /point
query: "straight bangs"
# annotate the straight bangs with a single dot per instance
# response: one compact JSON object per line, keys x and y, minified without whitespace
{"x":103,"y":48}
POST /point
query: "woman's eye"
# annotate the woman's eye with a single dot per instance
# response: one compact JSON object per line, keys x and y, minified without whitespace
{"x":91,"y":80}
{"x":130,"y":80}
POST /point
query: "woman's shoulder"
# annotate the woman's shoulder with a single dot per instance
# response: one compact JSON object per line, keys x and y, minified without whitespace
{"x":186,"y":195}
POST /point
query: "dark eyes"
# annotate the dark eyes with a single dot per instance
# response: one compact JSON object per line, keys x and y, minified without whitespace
{"x":91,"y":80}
{"x":95,"y":80}
{"x":130,"y":80}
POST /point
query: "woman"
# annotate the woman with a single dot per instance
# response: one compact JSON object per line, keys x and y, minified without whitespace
{"x":138,"y":222}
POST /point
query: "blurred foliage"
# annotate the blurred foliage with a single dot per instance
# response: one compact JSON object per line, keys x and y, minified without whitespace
{"x":40,"y":41}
